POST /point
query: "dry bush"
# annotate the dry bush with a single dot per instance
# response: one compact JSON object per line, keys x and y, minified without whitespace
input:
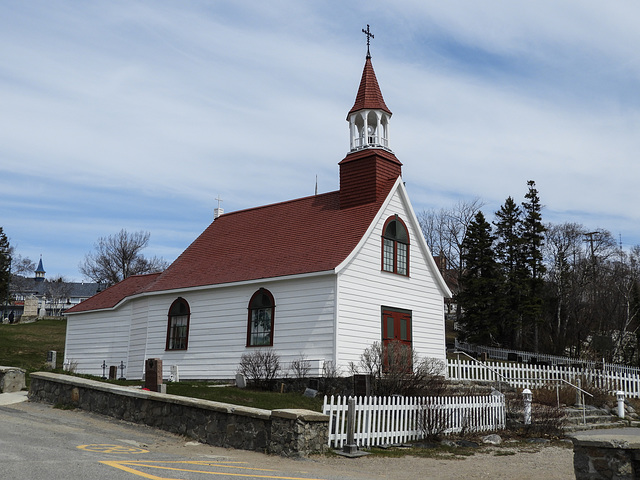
{"x":395,"y":369}
{"x":600,"y":397}
{"x":300,"y":367}
{"x":330,"y":378}
{"x":634,"y":402}
{"x":546,"y":418}
{"x":260,"y":368}
{"x":550,"y":396}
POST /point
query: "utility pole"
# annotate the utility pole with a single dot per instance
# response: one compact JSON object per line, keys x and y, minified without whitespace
{"x":593,"y":274}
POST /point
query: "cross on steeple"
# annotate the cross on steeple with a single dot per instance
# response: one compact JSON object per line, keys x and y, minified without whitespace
{"x":369,"y":35}
{"x":218,"y":211}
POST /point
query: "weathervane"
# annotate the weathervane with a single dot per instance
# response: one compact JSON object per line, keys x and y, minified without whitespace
{"x":369,"y":35}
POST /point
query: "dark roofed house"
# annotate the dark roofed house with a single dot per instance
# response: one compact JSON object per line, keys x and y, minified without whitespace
{"x":323,"y":276}
{"x":37,"y":297}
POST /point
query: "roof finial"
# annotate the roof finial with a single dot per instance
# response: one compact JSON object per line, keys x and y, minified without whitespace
{"x":218,"y":211}
{"x":369,"y":35}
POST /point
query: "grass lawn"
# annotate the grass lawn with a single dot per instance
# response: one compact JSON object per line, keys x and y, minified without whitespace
{"x":25,"y":345}
{"x":246,"y":397}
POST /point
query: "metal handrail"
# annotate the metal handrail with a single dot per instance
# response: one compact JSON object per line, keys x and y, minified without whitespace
{"x":486,"y":366}
{"x":544,"y":381}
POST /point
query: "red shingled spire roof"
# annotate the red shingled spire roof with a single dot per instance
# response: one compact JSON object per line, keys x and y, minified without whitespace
{"x":369,"y":95}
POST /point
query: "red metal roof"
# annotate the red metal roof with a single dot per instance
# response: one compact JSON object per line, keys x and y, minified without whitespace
{"x":369,"y":95}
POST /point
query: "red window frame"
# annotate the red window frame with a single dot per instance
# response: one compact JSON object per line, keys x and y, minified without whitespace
{"x":257,"y":310}
{"x":172,"y":329}
{"x":392,"y":248}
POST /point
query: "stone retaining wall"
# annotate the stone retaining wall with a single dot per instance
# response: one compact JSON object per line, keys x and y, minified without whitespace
{"x":282,"y":432}
{"x":610,"y":454}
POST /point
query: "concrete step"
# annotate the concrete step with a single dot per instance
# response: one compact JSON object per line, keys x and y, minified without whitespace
{"x":594,"y":426}
{"x":590,"y":417}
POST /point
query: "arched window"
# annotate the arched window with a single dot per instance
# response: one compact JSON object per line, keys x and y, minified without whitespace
{"x":178,"y":326}
{"x":395,"y":246}
{"x":261,"y":316}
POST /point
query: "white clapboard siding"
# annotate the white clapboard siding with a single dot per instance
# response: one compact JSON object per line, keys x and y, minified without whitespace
{"x":397,"y":420}
{"x":521,"y":375}
{"x":364,"y":289}
{"x":327,"y":317}
{"x":137,"y":340}
{"x":304,"y":324}
{"x":95,"y":338}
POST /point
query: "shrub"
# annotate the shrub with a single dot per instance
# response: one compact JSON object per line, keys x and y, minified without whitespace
{"x":546,"y":418}
{"x":330,"y":378}
{"x":260,"y":368}
{"x":300,"y":367}
{"x":396,"y":369}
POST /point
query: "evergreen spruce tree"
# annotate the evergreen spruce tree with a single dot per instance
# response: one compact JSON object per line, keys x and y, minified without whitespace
{"x":532,"y":242}
{"x":480,"y":296}
{"x":510,"y":256}
{"x":5,"y":267}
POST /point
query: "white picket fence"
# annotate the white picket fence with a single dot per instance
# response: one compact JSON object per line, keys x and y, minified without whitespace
{"x":521,"y":375}
{"x":505,"y":354}
{"x":396,"y":420}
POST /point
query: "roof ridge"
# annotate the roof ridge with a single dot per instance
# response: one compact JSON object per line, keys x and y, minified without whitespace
{"x":284,"y":202}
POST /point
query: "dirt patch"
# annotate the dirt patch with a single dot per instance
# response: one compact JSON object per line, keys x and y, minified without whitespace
{"x":509,"y":462}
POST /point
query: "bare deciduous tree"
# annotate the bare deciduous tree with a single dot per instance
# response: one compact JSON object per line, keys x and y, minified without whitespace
{"x":22,"y":269}
{"x":119,"y":256}
{"x":444,"y":232}
{"x":57,"y":292}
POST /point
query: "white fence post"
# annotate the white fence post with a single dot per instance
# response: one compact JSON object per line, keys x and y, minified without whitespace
{"x":527,"y":397}
{"x":620,"y":397}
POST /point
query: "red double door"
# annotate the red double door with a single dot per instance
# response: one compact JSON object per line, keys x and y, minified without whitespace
{"x":396,"y":326}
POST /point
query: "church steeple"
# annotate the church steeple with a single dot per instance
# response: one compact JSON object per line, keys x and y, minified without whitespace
{"x":40,"y":272}
{"x":370,"y":164}
{"x":369,"y":117}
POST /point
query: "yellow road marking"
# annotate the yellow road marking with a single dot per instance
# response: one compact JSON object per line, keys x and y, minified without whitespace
{"x":107,"y":448}
{"x":126,"y":466}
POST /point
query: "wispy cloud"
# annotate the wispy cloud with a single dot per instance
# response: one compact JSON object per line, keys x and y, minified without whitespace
{"x":138,"y":114}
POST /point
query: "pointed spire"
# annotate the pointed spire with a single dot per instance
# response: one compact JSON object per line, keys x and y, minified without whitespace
{"x":369,"y":95}
{"x":370,"y":167}
{"x":369,"y":117}
{"x":40,"y":271}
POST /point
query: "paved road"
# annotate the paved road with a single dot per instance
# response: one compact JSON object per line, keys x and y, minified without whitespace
{"x":38,"y":441}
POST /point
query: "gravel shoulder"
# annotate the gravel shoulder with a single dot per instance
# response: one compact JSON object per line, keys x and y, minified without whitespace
{"x":508,"y":462}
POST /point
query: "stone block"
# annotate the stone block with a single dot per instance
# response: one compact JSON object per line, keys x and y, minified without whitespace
{"x":11,"y":379}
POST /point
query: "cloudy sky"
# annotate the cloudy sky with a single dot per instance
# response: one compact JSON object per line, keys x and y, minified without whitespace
{"x":138,"y":114}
